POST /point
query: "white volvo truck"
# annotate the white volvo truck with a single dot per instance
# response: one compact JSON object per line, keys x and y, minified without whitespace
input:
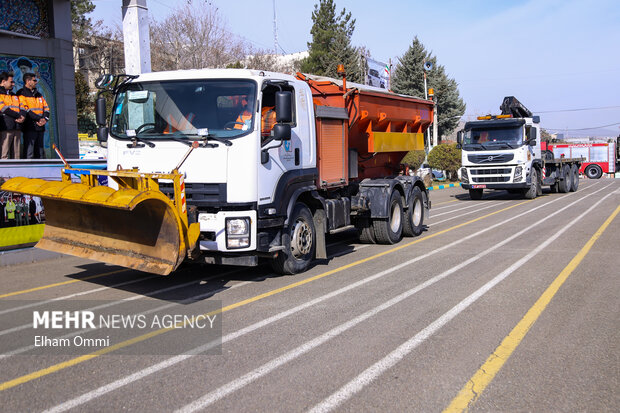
{"x":503,"y":152}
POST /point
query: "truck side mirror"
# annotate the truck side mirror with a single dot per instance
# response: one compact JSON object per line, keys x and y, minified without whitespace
{"x":102,"y":133}
{"x":459,"y":139}
{"x":532,"y":140}
{"x":281,"y":132}
{"x":284,"y":107}
{"x":100,"y":114}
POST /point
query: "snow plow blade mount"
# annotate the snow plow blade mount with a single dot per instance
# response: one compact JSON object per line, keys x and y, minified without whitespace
{"x":136,"y":226}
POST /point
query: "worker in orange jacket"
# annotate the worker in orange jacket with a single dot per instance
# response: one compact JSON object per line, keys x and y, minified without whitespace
{"x":38,"y":114}
{"x":11,"y":118}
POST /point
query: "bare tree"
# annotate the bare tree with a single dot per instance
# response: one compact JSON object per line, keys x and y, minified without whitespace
{"x":193,"y":37}
{"x":265,"y":60}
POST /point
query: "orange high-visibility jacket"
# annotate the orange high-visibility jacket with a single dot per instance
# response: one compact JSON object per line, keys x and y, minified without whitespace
{"x":10,"y":109}
{"x":36,"y":107}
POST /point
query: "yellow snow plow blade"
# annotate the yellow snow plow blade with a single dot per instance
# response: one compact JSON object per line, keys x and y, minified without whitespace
{"x":136,"y":226}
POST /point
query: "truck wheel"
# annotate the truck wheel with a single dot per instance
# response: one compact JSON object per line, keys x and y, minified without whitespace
{"x":413,"y":224}
{"x":532,"y":191}
{"x":574,"y":172}
{"x":365,"y":231}
{"x":299,"y":243}
{"x":475,"y":194}
{"x":390,"y":230}
{"x":565,"y":180}
{"x":593,"y":171}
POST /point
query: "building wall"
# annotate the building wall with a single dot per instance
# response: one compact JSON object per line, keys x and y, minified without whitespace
{"x":43,"y":34}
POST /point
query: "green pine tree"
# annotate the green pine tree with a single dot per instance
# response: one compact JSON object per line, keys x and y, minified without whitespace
{"x":331,"y":43}
{"x":408,"y":79}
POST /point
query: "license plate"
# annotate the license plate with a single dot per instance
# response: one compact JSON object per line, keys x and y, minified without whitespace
{"x":478,"y":186}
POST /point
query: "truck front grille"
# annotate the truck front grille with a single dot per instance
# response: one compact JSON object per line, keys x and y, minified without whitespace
{"x":491,"y":158}
{"x":490,"y":179}
{"x":199,"y":194}
{"x":499,"y":171}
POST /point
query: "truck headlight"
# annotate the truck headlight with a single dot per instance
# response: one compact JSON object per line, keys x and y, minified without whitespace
{"x":238,"y":226}
{"x":237,"y":232}
{"x":518,"y":173}
{"x":464,"y":176}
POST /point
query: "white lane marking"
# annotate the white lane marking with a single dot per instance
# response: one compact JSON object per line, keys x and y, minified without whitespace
{"x":499,"y":204}
{"x":266,"y":368}
{"x":66,"y":297}
{"x":389,"y":361}
{"x":100,"y":391}
{"x":132,"y":298}
{"x":471,"y":205}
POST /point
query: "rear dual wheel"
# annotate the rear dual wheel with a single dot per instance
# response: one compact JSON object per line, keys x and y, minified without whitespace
{"x":566,"y":179}
{"x":413,"y":223}
{"x":390,"y":230}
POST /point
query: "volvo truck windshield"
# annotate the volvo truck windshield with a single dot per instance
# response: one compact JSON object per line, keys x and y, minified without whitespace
{"x":483,"y":137}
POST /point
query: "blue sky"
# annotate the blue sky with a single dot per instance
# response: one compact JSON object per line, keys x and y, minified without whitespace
{"x":552,"y":55}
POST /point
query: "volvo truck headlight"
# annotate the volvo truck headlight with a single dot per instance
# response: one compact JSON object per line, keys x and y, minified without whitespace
{"x":518,"y":173}
{"x":464,"y":176}
{"x":237,"y":232}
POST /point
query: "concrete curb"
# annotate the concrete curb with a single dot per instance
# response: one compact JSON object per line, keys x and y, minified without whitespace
{"x":434,"y":188}
{"x":27,"y":256}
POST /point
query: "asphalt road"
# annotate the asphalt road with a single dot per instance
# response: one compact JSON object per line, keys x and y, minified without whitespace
{"x":502,"y":305}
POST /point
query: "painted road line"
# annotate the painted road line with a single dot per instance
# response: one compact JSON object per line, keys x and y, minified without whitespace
{"x":472,"y":390}
{"x":61,"y":366}
{"x":66,"y":297}
{"x":43,"y":287}
{"x":466,"y":213}
{"x":270,"y":366}
{"x":370,"y":374}
{"x":471,"y":205}
{"x":446,"y":202}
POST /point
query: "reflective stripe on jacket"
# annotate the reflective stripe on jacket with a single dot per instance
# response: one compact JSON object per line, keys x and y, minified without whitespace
{"x":36,"y":107}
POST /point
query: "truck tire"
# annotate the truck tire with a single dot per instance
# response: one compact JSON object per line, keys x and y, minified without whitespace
{"x":299,"y":243}
{"x":413,"y":224}
{"x":593,"y":171}
{"x":365,"y":231}
{"x":475,"y":194}
{"x":533,"y":190}
{"x":574,"y":171}
{"x":565,"y":179}
{"x":390,"y":230}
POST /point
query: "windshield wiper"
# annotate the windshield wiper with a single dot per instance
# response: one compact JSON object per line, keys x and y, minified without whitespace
{"x":209,"y":137}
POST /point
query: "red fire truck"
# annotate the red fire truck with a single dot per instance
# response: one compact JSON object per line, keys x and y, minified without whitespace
{"x":600,"y":158}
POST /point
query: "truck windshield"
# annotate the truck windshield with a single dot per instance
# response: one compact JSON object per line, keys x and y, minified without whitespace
{"x":184,"y":109}
{"x":507,"y":137}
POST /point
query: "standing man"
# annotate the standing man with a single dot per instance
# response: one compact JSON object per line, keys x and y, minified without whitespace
{"x":32,"y":208}
{"x":10,"y":212}
{"x":12,"y":118}
{"x":38,"y":114}
{"x":1,"y":213}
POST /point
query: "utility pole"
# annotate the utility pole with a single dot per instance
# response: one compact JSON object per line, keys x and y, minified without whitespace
{"x":136,"y":37}
{"x":275,"y":30}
